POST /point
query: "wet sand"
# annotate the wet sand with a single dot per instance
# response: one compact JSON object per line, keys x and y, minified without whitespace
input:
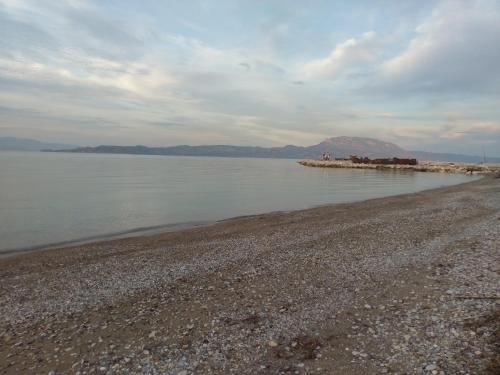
{"x":405,"y":284}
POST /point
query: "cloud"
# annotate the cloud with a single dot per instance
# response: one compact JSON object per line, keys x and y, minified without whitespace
{"x":18,"y":37}
{"x":487,"y":128}
{"x":454,"y":136}
{"x":83,"y":67}
{"x":346,"y":56}
{"x":102,"y":35}
{"x":245,"y":65}
{"x":455,"y":50}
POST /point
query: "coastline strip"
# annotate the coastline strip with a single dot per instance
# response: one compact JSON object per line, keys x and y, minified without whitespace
{"x":425,"y":166}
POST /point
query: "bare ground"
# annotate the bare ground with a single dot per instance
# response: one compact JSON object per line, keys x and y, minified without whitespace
{"x":407,"y":284}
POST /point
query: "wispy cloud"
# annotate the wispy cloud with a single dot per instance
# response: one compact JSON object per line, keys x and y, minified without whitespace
{"x":82,"y":71}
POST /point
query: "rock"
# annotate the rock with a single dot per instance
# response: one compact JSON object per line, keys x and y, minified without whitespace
{"x":430,"y":367}
{"x":273,"y":344}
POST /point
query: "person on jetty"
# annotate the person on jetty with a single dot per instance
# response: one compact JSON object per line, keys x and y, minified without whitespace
{"x":326,"y":156}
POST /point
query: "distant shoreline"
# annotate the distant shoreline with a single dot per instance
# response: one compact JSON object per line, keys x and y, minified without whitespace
{"x":338,"y":146}
{"x":427,"y":166}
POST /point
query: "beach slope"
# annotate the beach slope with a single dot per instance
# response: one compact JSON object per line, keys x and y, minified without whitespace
{"x":406,"y":284}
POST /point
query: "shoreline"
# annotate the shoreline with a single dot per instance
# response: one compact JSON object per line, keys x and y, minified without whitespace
{"x":175,"y":227}
{"x":136,"y":232}
{"x":424,"y":166}
{"x":405,"y":284}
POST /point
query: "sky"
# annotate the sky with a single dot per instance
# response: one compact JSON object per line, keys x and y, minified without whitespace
{"x":423,"y":74}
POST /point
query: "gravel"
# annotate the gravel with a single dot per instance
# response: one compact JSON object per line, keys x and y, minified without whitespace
{"x":406,"y":284}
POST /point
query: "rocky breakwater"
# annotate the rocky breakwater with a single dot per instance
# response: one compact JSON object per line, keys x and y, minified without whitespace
{"x":427,"y":166}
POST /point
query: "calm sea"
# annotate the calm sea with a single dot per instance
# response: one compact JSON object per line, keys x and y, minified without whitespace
{"x":49,"y":198}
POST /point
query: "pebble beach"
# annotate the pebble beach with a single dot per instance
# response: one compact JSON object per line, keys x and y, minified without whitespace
{"x":400,"y":285}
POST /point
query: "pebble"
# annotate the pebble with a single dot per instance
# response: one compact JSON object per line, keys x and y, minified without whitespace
{"x":273,"y":344}
{"x":430,"y":367}
{"x":424,"y":331}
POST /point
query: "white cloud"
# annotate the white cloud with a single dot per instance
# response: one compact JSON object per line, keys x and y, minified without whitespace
{"x":84,"y":67}
{"x":486,"y":128}
{"x":465,"y":132}
{"x":345,"y":56}
{"x":455,"y":50}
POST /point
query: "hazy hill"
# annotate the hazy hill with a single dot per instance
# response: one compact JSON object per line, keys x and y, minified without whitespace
{"x":26,"y":144}
{"x":340,"y":147}
{"x":370,"y":147}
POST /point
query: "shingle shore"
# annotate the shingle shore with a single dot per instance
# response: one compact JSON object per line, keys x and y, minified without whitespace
{"x":407,"y":284}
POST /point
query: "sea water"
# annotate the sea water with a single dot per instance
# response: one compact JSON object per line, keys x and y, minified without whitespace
{"x":52,"y":198}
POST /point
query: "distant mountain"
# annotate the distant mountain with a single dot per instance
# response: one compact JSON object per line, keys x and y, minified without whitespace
{"x":370,"y":147}
{"x":339,"y":147}
{"x":26,"y":144}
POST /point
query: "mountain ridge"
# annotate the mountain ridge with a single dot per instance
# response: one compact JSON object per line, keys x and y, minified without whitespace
{"x":28,"y":144}
{"x":339,"y":147}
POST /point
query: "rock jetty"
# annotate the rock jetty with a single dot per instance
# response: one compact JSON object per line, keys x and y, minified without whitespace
{"x":426,"y":166}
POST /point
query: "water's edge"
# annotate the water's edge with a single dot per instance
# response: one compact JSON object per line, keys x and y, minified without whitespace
{"x":135,"y":232}
{"x":167,"y":228}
